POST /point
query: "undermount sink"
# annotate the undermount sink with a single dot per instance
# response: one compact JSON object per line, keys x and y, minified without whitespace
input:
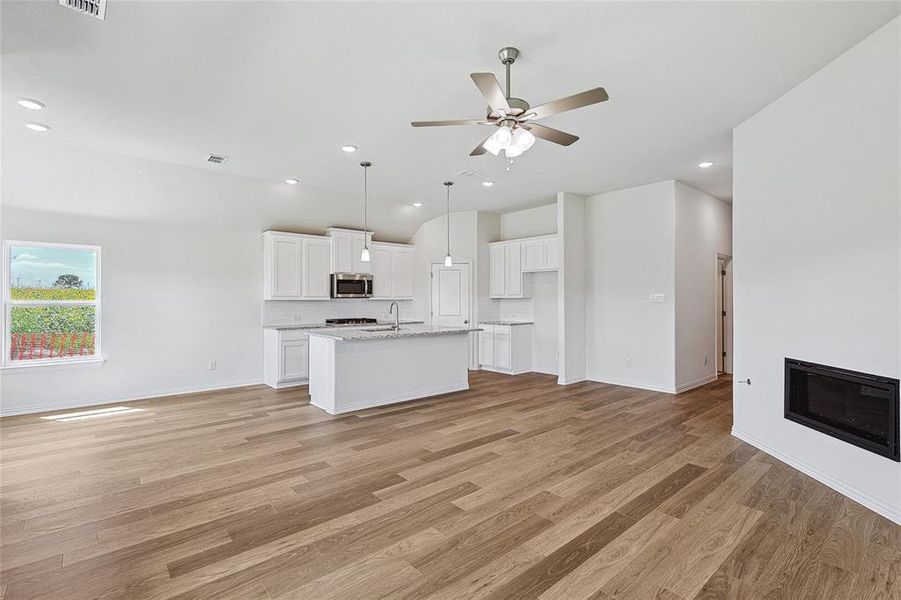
{"x":378,"y":329}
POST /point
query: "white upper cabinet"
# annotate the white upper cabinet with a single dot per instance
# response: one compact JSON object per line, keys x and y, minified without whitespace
{"x":347,"y":246}
{"x":509,"y":260}
{"x":498,"y":266}
{"x":513,"y":270}
{"x":540,"y":254}
{"x":281,"y":266}
{"x":403,"y":272}
{"x":316,"y":280}
{"x":295,"y":266}
{"x":392,"y":270}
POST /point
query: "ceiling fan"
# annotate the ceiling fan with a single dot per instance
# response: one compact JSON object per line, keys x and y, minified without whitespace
{"x":513,"y":118}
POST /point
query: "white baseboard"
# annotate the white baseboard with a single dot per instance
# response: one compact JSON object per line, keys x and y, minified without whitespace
{"x":696,"y":383}
{"x":562,"y":381}
{"x":841,"y":487}
{"x":633,"y":384}
{"x":406,"y":397}
{"x":287,"y":384}
{"x":162,"y":393}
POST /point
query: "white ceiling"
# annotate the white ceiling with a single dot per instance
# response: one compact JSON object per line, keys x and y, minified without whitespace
{"x":279,"y":86}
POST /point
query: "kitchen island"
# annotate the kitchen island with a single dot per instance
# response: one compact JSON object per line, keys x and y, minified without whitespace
{"x":353,"y":369}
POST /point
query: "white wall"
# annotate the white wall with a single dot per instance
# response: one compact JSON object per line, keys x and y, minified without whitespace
{"x":630,"y":254}
{"x":817,"y":240}
{"x":703,"y":226}
{"x":174,"y":298}
{"x":572,"y":287}
{"x":530,"y":222}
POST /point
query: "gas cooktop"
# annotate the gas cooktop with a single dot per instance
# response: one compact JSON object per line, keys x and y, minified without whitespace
{"x":351,"y":321}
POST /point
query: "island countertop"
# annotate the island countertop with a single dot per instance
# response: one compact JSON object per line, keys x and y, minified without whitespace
{"x":384,"y":332}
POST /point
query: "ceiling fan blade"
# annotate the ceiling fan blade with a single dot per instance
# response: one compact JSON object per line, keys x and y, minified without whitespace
{"x":551,"y":135}
{"x":448,"y":123}
{"x":564,"y":104}
{"x":480,"y":149}
{"x":491,"y":89}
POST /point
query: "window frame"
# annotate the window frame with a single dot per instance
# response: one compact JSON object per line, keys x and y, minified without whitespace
{"x":9,"y":303}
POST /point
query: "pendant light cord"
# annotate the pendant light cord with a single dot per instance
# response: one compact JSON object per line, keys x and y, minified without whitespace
{"x":448,"y":184}
{"x":365,"y":166}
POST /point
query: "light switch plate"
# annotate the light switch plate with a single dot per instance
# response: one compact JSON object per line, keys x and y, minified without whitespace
{"x":657,"y":299}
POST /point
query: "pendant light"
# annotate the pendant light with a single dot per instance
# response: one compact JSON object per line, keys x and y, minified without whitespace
{"x":448,"y":261}
{"x":364,"y":255}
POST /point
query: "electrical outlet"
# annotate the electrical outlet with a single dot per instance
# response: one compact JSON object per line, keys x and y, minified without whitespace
{"x":628,"y":362}
{"x":212,"y":366}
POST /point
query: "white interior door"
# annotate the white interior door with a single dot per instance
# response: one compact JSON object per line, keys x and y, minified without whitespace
{"x":451,"y":299}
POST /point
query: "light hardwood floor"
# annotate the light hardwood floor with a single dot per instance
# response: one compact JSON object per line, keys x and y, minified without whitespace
{"x":517,"y":488}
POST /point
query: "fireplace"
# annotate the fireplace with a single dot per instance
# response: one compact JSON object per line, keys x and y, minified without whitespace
{"x":857,"y":408}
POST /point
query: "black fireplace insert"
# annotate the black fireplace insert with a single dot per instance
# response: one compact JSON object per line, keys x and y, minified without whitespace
{"x":858,"y":408}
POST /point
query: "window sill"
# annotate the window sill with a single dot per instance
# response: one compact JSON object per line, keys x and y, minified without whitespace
{"x":35,"y":366}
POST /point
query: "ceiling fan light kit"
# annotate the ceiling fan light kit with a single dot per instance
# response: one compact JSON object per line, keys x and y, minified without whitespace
{"x":514,"y":117}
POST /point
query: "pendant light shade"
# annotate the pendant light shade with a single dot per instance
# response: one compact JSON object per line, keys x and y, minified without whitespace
{"x":364,"y":255}
{"x":448,"y":261}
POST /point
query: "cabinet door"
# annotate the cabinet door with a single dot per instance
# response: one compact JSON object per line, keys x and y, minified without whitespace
{"x":293,"y":360}
{"x":402,"y":273}
{"x":513,"y":270}
{"x":316,"y":257}
{"x":553,"y":253}
{"x":496,"y":258}
{"x":286,"y":263}
{"x":382,"y":276}
{"x":502,"y":351}
{"x":534,"y":257}
{"x":358,"y":266}
{"x":486,"y":348}
{"x":342,"y":252}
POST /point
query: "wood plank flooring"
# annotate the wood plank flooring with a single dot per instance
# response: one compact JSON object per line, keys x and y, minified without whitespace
{"x":517,"y":488}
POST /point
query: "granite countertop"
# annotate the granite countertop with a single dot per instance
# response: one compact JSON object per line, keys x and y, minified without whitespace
{"x":413,"y":330}
{"x":348,"y":326}
{"x":501,"y":322}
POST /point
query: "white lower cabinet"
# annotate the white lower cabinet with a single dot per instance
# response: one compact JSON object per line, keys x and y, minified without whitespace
{"x":505,"y":348}
{"x":286,"y":357}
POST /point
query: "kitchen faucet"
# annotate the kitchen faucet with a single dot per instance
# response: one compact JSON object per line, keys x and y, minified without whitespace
{"x":396,"y":313}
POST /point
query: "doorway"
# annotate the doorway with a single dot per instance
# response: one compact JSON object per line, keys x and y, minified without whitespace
{"x":723,"y":314}
{"x":451,"y":299}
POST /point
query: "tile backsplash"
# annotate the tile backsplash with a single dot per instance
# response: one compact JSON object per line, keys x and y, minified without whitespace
{"x":286,"y":312}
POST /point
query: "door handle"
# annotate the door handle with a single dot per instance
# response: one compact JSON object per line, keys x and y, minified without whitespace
{"x":466,"y":322}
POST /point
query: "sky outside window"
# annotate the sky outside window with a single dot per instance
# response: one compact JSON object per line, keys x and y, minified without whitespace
{"x":41,"y":266}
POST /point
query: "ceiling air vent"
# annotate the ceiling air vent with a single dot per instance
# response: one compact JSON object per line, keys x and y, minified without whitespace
{"x":216,"y":159}
{"x":92,"y":8}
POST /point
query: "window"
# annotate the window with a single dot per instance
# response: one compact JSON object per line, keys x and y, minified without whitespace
{"x":51,"y":303}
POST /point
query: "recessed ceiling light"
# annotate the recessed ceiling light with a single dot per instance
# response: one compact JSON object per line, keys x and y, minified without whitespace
{"x":705,"y":164}
{"x":292,"y":181}
{"x":488,"y":183}
{"x":417,"y":204}
{"x":30,"y":104}
{"x":37,"y":127}
{"x":349,"y":148}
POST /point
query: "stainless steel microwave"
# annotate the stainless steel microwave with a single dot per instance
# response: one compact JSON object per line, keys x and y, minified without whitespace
{"x":351,"y":285}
